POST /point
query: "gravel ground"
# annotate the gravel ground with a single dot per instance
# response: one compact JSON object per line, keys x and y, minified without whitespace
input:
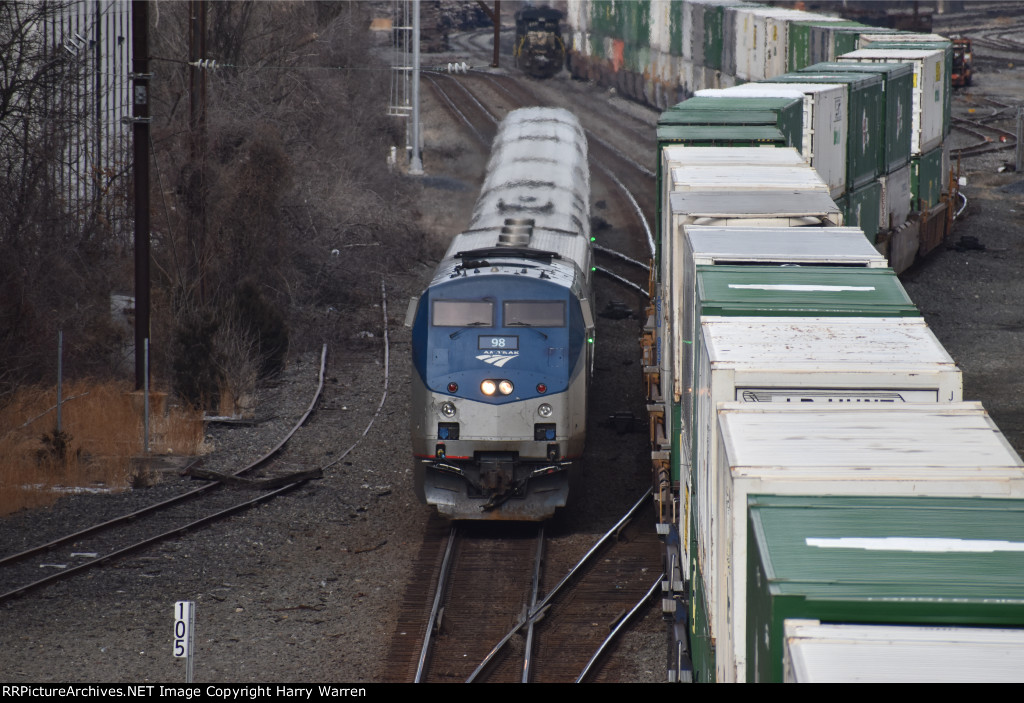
{"x":306,"y":588}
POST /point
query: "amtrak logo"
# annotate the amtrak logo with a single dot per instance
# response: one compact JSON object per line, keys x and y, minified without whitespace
{"x":498,"y":359}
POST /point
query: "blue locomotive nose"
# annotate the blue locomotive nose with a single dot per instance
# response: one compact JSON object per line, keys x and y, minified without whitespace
{"x":499,"y":349}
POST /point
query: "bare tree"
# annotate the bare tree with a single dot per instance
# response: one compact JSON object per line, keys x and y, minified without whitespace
{"x":294,"y":169}
{"x":58,"y":250}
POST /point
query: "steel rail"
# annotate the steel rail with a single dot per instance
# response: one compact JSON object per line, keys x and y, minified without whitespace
{"x":146,"y":542}
{"x":636,"y":207}
{"x":618,"y":628}
{"x":387,"y":378}
{"x":621,"y":257}
{"x":435,"y":610}
{"x":459,"y":113}
{"x":483,"y":108}
{"x":534,"y":588}
{"x":539,"y":608}
{"x":624,"y":281}
{"x":184,"y":496}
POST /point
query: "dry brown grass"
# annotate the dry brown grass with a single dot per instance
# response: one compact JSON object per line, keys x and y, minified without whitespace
{"x":102,"y":427}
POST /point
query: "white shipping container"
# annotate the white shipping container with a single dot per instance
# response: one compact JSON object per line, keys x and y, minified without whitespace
{"x":821,"y":361}
{"x":708,"y":193}
{"x":864,"y":40}
{"x":660,"y":28}
{"x":775,"y":36}
{"x":747,"y":42}
{"x":896,"y":207}
{"x":724,"y":208}
{"x":928,"y":92}
{"x":945,"y":449}
{"x":820,"y":653}
{"x":722,"y":165}
{"x":825,"y":124}
{"x":706,"y":246}
{"x":696,"y":245}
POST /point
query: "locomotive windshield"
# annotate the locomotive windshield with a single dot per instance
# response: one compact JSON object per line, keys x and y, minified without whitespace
{"x":542,"y":25}
{"x":534,"y":313}
{"x":463,"y":313}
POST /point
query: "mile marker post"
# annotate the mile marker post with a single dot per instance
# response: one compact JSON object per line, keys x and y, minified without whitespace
{"x":184,"y":626}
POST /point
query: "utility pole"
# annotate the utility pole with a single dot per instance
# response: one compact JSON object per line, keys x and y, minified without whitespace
{"x":495,"y":16}
{"x":416,"y":165}
{"x":140,"y":142}
{"x":197,"y":140}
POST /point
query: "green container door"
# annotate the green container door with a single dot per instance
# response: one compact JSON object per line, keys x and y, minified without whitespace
{"x":714,"y":24}
{"x":809,"y":42}
{"x":636,"y":34}
{"x":808,"y":291}
{"x":862,"y":208}
{"x":912,"y":561}
{"x":897,"y":106}
{"x":926,"y":180}
{"x":865,"y":145}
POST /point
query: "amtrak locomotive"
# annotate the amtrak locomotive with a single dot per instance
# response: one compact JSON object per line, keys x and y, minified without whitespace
{"x":503,"y":336}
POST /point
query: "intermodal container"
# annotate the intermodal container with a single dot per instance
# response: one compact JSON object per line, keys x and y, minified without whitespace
{"x":945,"y":449}
{"x":897,"y":561}
{"x":897,"y":92}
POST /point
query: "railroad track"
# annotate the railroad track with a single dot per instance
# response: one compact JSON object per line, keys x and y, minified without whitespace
{"x":991,"y":138}
{"x":88,"y":548}
{"x":490,"y":622}
{"x":505,"y":555}
{"x":93,"y":546}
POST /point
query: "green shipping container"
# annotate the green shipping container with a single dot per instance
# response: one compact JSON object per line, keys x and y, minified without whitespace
{"x":897,"y":98}
{"x":926,"y":179}
{"x":702,"y":647}
{"x":865,"y":146}
{"x":716,"y":135}
{"x":862,"y":208}
{"x":913,"y":561}
{"x":807,"y":291}
{"x":847,"y":40}
{"x":714,"y":26}
{"x":805,"y":42}
{"x":784,"y":113}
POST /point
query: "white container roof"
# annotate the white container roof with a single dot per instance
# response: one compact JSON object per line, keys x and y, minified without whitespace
{"x":837,"y":344}
{"x":789,"y":244}
{"x":819,"y":653}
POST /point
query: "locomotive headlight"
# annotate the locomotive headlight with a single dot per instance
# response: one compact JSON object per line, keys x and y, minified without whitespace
{"x":544,"y":410}
{"x":505,"y":387}
{"x":488,"y":387}
{"x":448,"y":408}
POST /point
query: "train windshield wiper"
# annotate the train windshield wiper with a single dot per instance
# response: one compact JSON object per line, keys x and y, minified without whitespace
{"x":478,"y":323}
{"x":527,"y":326}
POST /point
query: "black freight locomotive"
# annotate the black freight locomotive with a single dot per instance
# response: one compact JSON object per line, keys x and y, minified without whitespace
{"x":539,"y":50}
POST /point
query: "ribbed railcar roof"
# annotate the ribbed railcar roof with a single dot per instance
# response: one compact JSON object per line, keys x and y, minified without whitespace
{"x":538,"y":171}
